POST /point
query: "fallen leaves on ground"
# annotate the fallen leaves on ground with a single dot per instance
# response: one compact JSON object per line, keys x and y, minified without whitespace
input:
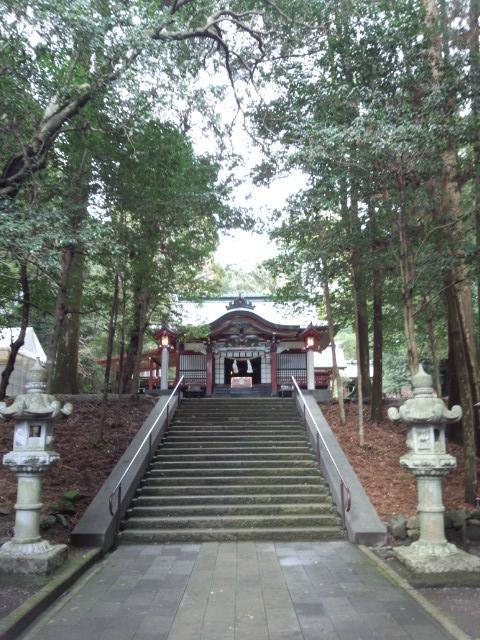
{"x":391,"y":488}
{"x":85,"y":460}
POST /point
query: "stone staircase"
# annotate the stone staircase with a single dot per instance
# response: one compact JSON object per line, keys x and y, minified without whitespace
{"x":232,"y":469}
{"x":258,"y":390}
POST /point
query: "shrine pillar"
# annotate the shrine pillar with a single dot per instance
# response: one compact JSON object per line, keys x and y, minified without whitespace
{"x":209,"y":370}
{"x":310,"y":370}
{"x":273,"y":360}
{"x":177,"y":363}
{"x":164,"y":369}
{"x":150,"y":374}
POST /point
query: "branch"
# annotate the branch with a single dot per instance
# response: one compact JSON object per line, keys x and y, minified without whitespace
{"x":34,"y":155}
{"x":61,"y":109}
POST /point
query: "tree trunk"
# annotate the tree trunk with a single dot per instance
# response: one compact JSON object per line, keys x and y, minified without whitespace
{"x":331,"y":335}
{"x":363,"y":337}
{"x":133,"y":352}
{"x":454,"y":431}
{"x":474,"y":46}
{"x":458,"y":293}
{"x":60,"y":313}
{"x":18,"y":343}
{"x":466,"y":401}
{"x":407,"y":272}
{"x":361,"y":311}
{"x":65,"y":367}
{"x":433,"y":350}
{"x":121,"y":350}
{"x":108,"y":365}
{"x":350,"y":216}
{"x":377,"y":388}
{"x":361,"y":435}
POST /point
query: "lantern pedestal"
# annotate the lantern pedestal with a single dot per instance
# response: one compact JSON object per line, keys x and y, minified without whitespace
{"x":432,"y":554}
{"x":37,"y":558}
{"x":27,"y":552}
{"x":437,"y":559}
{"x":426,"y":417}
{"x":34,"y":413}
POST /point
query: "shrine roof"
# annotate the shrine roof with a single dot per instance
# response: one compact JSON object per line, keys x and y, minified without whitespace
{"x":292,"y":314}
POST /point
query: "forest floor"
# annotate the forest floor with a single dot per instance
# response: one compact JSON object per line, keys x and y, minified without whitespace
{"x":391,"y":488}
{"x":85,"y":462}
{"x":85,"y":458}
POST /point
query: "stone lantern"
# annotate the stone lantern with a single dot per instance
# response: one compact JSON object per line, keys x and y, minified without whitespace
{"x":311,"y":338}
{"x":166,"y":341}
{"x":32,"y":455}
{"x":426,"y":417}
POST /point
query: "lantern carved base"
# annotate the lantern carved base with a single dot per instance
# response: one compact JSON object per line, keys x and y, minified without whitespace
{"x":437,"y":558}
{"x":31,"y":558}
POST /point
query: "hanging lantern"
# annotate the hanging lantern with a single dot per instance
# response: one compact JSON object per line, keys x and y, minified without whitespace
{"x":311,"y":338}
{"x":165,"y":338}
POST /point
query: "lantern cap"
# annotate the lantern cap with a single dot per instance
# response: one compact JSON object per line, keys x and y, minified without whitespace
{"x":36,"y":379}
{"x":424,"y":407}
{"x":35,"y":403}
{"x":422,"y":380}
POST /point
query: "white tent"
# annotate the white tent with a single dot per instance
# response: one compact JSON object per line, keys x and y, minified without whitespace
{"x":324,"y":359}
{"x":31,"y":350}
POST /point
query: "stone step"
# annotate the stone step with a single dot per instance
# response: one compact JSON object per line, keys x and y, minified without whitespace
{"x":238,"y":479}
{"x":241,"y":415}
{"x":271,"y":534}
{"x":201,"y":434}
{"x":241,"y":499}
{"x":236,"y":401}
{"x":234,"y":522}
{"x":237,"y":405}
{"x":220,"y":510}
{"x":233,"y":471}
{"x":240,"y":449}
{"x":218,"y":463}
{"x":223,"y":455}
{"x":227,"y":438}
{"x":172,"y":488}
{"x":243,"y":424}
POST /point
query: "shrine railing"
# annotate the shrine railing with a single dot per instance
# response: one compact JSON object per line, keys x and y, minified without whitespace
{"x":291,"y":364}
{"x":284,"y":377}
{"x":193,"y":368}
{"x":345,"y":495}
{"x":194,"y":377}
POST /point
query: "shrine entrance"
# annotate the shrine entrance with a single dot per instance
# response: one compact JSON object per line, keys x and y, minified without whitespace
{"x":242,"y":365}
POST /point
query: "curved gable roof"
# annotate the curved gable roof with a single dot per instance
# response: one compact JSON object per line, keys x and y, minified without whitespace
{"x":214,"y":309}
{"x":257,"y":321}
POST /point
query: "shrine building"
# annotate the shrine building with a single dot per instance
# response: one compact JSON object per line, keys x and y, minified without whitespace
{"x":248,"y":344}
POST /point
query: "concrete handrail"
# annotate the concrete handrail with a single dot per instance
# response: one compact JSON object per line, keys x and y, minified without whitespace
{"x":118,"y":486}
{"x":346,"y":496}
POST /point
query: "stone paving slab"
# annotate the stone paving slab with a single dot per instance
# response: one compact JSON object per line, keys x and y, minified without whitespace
{"x":237,"y":591}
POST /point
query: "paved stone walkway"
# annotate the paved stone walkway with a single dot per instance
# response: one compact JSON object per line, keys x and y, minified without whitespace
{"x":236,"y":591}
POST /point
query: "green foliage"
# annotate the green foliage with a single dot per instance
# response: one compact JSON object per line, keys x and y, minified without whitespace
{"x":396,"y":374}
{"x":192,"y":332}
{"x":355,"y":110}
